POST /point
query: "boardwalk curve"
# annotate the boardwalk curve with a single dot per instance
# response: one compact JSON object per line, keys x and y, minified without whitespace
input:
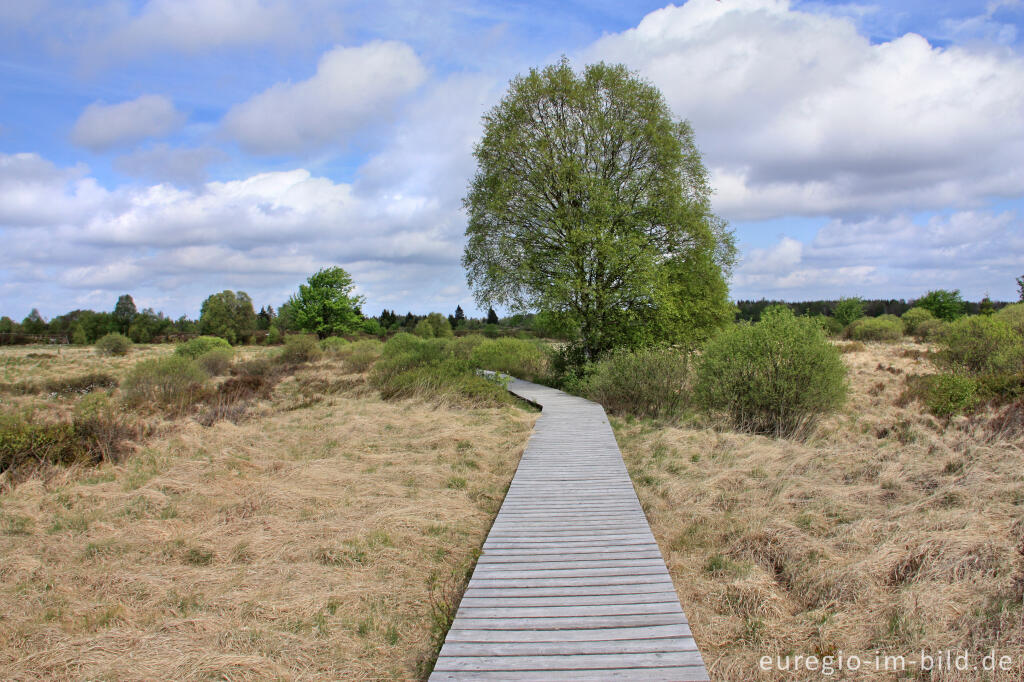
{"x":571,"y":584}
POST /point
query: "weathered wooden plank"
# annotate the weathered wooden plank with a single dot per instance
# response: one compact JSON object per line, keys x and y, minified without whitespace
{"x":571,"y":583}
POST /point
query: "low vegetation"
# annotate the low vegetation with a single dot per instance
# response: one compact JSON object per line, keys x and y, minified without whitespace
{"x":653,"y":383}
{"x":113,"y":344}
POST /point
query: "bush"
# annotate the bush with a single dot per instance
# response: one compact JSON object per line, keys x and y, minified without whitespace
{"x":1013,"y":315}
{"x":193,"y":348}
{"x":84,"y":383}
{"x":881,"y":328}
{"x":930,"y":330}
{"x":492,"y":331}
{"x":299,"y":348}
{"x":274,"y":336}
{"x":943,"y":304}
{"x":516,"y":357}
{"x":216,"y":361}
{"x":332,"y":344}
{"x":774,"y":377}
{"x":645,"y":383}
{"x":848,"y":310}
{"x":914,"y":318}
{"x":173,"y":383}
{"x":829,"y":325}
{"x":432,"y":368}
{"x":113,"y":344}
{"x":944,"y":395}
{"x":982,"y":344}
{"x":361,"y":355}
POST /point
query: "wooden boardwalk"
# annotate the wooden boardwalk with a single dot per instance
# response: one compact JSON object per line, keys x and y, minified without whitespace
{"x":571,"y":584}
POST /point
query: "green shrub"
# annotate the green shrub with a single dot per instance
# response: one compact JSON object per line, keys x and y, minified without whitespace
{"x":982,"y":344}
{"x":216,"y":361}
{"x":943,"y":304}
{"x":944,"y":395}
{"x":913,"y":318}
{"x":848,"y":310}
{"x":829,"y":325}
{"x":881,"y":328}
{"x":173,"y":383}
{"x":650,"y":382}
{"x":516,"y":357}
{"x":492,"y":331}
{"x":113,"y":344}
{"x":1013,"y":315}
{"x":201,"y":345}
{"x":26,"y":442}
{"x":433,"y":369}
{"x":930,"y":331}
{"x":274,"y":336}
{"x":332,"y":344}
{"x":361,"y":355}
{"x":776,"y":376}
{"x":299,"y":348}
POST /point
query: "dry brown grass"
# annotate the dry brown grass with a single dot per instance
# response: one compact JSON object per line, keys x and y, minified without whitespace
{"x":298,"y":543}
{"x":887,"y":530}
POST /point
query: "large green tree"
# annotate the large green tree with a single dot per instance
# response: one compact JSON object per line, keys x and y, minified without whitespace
{"x":229,"y":316}
{"x":591,"y":202}
{"x":325,"y":304}
{"x":124,"y":312}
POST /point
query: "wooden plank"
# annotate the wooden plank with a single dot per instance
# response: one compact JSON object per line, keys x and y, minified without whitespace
{"x":571,"y":583}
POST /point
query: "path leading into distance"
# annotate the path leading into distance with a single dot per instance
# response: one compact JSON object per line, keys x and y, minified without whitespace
{"x":571,"y":584}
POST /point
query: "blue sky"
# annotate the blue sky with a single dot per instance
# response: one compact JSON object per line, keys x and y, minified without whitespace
{"x":175,"y":148}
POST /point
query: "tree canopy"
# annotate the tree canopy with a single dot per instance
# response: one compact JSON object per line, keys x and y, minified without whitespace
{"x":590,"y":201}
{"x":229,"y":316}
{"x":325,"y":304}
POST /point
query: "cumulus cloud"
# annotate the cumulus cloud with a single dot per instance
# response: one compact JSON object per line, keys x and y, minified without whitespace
{"x":104,"y":126}
{"x":352,"y":88}
{"x":798,"y":113}
{"x":162,"y":163}
{"x":264,"y":233}
{"x":976,"y":251}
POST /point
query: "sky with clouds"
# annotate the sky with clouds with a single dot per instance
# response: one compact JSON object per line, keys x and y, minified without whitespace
{"x":175,"y":148}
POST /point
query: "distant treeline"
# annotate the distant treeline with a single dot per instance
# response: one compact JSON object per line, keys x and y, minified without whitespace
{"x":751,"y":310}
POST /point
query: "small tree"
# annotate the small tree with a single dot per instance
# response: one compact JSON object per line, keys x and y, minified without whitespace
{"x":33,"y":323}
{"x":492,"y":317}
{"x":944,"y":304}
{"x":848,"y":309}
{"x":460,"y":317}
{"x":325,"y":304}
{"x":229,"y":316}
{"x":986,"y":307}
{"x":1020,"y":288}
{"x":124,"y":312}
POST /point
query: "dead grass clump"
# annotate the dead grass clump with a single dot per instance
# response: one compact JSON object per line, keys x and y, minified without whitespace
{"x":851,"y":347}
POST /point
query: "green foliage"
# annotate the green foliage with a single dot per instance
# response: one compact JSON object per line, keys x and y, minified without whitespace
{"x":943,"y":304}
{"x":651,"y":382}
{"x":299,"y":348}
{"x":33,"y":323}
{"x":274,"y":336}
{"x":173,"y":383}
{"x":325,"y":304}
{"x":881,"y":328}
{"x":830,"y":325}
{"x":623,"y":245}
{"x":774,"y":377}
{"x":982,"y":344}
{"x":113,"y":344}
{"x":492,"y":331}
{"x":944,"y":395}
{"x":25,"y":441}
{"x":229,"y":316}
{"x":361,"y":355}
{"x":124,"y":312}
{"x":436,"y":369}
{"x":193,"y":348}
{"x":516,"y":357}
{"x":79,"y":337}
{"x":914,"y":317}
{"x":848,"y":309}
{"x":372,"y":326}
{"x":1013,"y":315}
{"x":930,"y":330}
{"x":333,"y":344}
{"x":216,"y":361}
{"x":433,"y":326}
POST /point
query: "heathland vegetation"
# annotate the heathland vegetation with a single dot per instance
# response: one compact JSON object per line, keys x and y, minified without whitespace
{"x":301,"y":492}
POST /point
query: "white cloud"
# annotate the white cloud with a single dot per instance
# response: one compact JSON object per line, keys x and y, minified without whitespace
{"x":797,"y":113}
{"x":104,"y":126}
{"x":977,"y":251}
{"x":352,"y":88}
{"x":194,"y":26}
